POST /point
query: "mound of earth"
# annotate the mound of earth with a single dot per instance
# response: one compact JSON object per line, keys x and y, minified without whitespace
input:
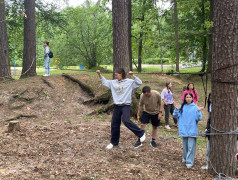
{"x":59,"y":139}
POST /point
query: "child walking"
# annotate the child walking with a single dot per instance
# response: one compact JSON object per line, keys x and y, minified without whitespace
{"x":167,"y":98}
{"x":121,"y":89}
{"x":188,"y":115}
{"x":191,"y":89}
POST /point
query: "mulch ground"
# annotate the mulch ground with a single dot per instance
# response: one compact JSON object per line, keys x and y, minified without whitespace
{"x":64,"y":142}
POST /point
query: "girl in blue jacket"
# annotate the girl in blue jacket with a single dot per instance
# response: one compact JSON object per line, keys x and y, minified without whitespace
{"x":188,"y":115}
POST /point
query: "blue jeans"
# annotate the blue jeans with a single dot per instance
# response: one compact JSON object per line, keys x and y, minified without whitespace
{"x":122,"y":113}
{"x":47,"y":65}
{"x":189,"y":150}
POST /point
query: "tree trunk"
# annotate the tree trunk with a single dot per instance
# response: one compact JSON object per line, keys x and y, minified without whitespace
{"x":129,"y":34}
{"x":176,"y":34}
{"x":224,"y":86}
{"x":121,"y":57}
{"x":209,"y":63}
{"x":204,"y":47}
{"x":4,"y":54}
{"x":140,"y":46}
{"x":29,"y":50}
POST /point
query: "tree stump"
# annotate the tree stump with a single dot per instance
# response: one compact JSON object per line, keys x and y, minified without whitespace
{"x":13,"y":126}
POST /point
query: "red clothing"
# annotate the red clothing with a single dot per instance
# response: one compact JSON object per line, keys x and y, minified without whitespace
{"x":195,"y":98}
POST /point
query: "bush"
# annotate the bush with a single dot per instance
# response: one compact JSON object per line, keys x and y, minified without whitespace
{"x":155,"y":61}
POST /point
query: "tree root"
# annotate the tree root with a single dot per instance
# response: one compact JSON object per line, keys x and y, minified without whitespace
{"x":82,"y":85}
{"x":103,"y":99}
{"x":21,"y":116}
{"x":47,"y":82}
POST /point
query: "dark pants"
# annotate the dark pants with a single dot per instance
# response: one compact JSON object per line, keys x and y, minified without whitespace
{"x":122,"y":113}
{"x":169,"y":109}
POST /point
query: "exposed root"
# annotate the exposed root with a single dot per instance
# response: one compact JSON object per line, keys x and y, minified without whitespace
{"x":21,"y":116}
{"x":82,"y":85}
{"x":47,"y":82}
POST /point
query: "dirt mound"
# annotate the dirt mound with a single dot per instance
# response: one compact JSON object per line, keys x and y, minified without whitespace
{"x":62,"y":141}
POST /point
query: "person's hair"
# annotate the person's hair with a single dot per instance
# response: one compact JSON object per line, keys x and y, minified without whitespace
{"x":209,"y":101}
{"x":146,"y":89}
{"x":185,"y":102}
{"x":47,"y":43}
{"x":122,"y":72}
{"x":167,"y":86}
{"x":194,"y":91}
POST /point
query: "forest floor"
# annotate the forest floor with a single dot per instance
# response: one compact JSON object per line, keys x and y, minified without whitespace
{"x":61,"y":140}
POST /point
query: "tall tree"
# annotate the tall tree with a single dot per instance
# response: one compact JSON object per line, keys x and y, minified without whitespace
{"x":209,"y":63}
{"x":4,"y":55}
{"x":29,"y":50}
{"x":121,"y":57}
{"x":224,"y":86}
{"x":204,"y":47}
{"x":176,"y":34}
{"x":129,"y":34}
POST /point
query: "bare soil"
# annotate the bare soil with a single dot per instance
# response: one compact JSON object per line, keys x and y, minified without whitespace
{"x":61,"y":141}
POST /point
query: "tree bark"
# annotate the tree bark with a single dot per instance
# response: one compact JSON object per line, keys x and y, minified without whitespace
{"x":224,"y":86}
{"x":176,"y":34}
{"x":5,"y":70}
{"x":209,"y":63}
{"x":29,"y":50}
{"x":120,"y":35}
{"x":129,"y":35}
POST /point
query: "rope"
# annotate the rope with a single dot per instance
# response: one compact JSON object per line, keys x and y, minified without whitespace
{"x":203,"y":134}
{"x":29,"y":67}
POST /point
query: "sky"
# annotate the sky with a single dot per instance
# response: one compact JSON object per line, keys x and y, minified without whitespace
{"x":74,"y":3}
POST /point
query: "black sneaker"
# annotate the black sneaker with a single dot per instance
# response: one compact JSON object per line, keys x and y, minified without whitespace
{"x":153,"y":144}
{"x":138,"y":144}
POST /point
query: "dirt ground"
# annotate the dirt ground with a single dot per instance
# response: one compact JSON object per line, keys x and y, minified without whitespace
{"x":63,"y":141}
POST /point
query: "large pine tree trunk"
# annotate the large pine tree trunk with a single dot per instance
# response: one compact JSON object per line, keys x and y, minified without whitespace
{"x":129,"y":34}
{"x":4,"y":55}
{"x":176,"y":34}
{"x":120,"y":35}
{"x":224,"y":86}
{"x":29,"y":51}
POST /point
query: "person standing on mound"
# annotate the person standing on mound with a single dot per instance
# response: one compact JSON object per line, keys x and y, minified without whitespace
{"x":121,"y":88}
{"x":151,"y":100}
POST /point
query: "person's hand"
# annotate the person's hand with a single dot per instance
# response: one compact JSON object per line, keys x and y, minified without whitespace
{"x":138,"y":117}
{"x":131,"y":73}
{"x":165,"y":102}
{"x":159,"y":116}
{"x":200,"y":108}
{"x":176,"y":105}
{"x":98,"y":71}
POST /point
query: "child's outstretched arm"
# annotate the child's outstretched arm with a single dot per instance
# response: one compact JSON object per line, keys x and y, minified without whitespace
{"x":137,"y":82}
{"x":199,"y":114}
{"x":104,"y":81}
{"x":176,"y":113}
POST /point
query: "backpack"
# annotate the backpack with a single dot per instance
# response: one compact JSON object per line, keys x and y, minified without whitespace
{"x":50,"y":54}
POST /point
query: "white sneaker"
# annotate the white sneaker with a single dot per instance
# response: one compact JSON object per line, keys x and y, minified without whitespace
{"x":45,"y":75}
{"x":109,"y":146}
{"x":204,"y":167}
{"x":167,"y":127}
{"x":142,"y":138}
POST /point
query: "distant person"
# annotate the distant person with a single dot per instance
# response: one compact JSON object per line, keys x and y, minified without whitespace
{"x":191,"y":89}
{"x":209,"y":105}
{"x":121,"y":89}
{"x":47,"y":58}
{"x":167,"y":98}
{"x":151,"y":100}
{"x":188,"y":115}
